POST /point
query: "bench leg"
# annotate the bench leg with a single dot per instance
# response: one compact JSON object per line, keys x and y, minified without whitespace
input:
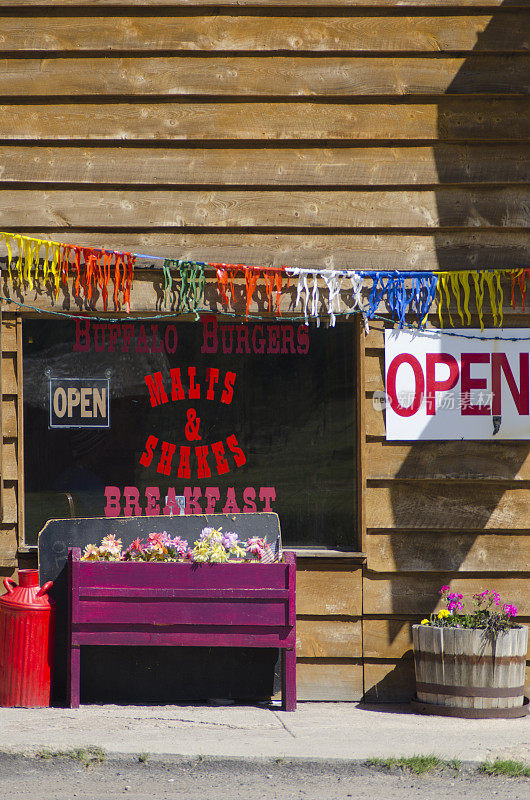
{"x":289,"y":680}
{"x":74,"y":666}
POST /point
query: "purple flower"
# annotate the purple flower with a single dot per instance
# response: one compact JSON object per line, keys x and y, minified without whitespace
{"x":444,"y":589}
{"x":230,"y":540}
{"x":180,"y":545}
{"x":510,"y":610}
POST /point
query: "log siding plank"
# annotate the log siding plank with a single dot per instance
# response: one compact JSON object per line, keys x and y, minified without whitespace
{"x":328,"y":638}
{"x":445,"y":207}
{"x":410,"y":506}
{"x":434,"y":552}
{"x":457,"y":119}
{"x":278,"y":166}
{"x":265,"y":33}
{"x":229,"y":4}
{"x":381,"y":249}
{"x":249,"y":76}
{"x":328,"y":592}
{"x":418,"y":594}
{"x":448,"y":461}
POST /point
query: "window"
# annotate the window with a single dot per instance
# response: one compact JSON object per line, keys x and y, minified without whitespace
{"x":235,"y":417}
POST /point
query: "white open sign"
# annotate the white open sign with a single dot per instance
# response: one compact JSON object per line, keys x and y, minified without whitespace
{"x":443,"y":386}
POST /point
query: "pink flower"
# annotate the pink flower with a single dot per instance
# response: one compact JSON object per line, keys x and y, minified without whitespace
{"x":158,"y":539}
{"x":510,"y":610}
{"x":444,"y":589}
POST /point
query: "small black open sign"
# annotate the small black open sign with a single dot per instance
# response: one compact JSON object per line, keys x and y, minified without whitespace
{"x":79,"y":403}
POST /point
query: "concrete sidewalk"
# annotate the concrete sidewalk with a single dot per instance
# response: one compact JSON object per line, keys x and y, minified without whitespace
{"x":316,"y":731}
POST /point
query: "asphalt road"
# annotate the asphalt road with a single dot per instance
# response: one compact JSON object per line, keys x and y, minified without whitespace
{"x":65,"y":778}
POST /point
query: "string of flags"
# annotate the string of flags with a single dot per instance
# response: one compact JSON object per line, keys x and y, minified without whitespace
{"x":404,"y":294}
{"x":29,"y":259}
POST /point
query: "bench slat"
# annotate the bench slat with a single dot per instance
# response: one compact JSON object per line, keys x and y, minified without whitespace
{"x":107,"y":593}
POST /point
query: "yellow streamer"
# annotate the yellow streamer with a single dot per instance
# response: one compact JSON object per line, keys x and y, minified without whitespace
{"x":445,"y":286}
{"x":500,"y":296}
{"x":18,"y":239}
{"x":28,"y":258}
{"x":464,"y":280}
{"x":45,"y":269}
{"x":54,"y":267}
{"x":479,"y":296}
{"x":439,"y":299}
{"x":489,"y":278}
{"x":460,"y":279}
{"x":455,"y":286}
{"x":7,"y":238}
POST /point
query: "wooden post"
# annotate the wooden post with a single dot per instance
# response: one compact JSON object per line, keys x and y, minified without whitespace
{"x":74,"y":654}
{"x":289,"y":655}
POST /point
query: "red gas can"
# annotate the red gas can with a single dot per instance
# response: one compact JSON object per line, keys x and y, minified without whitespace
{"x":27,"y":628}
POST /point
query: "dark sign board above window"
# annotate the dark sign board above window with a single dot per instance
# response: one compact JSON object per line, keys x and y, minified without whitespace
{"x":79,"y":403}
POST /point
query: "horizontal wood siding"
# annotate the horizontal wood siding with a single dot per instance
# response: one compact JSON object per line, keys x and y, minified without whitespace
{"x":9,"y":441}
{"x":437,"y":513}
{"x":346,"y":133}
{"x":329,"y":629}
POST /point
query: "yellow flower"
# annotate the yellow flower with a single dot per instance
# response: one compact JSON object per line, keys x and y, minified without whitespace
{"x":444,"y":613}
{"x":425,"y":622}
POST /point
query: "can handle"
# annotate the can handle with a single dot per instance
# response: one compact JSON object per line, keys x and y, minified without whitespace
{"x":9,"y":584}
{"x":43,"y":589}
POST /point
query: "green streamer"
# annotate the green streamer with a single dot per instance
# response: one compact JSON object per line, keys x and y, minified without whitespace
{"x":191,"y":285}
{"x":190,"y":281}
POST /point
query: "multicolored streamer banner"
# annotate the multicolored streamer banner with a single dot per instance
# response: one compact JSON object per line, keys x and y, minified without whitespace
{"x":319,"y":292}
{"x":30,"y":259}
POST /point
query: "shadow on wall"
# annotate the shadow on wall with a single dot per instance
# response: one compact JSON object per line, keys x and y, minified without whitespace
{"x":436,"y":528}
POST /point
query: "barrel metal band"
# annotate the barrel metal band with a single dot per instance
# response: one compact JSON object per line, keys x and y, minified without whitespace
{"x":468,"y":658}
{"x":470,"y":691}
{"x":420,"y":707}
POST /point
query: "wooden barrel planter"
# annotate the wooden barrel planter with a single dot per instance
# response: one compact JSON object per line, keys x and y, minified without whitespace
{"x":462,"y":673}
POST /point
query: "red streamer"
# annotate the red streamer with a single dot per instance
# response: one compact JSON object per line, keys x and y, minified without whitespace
{"x":272,"y":277}
{"x":519,"y":278}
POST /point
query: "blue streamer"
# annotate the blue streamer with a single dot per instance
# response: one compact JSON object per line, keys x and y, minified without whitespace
{"x":391,"y":288}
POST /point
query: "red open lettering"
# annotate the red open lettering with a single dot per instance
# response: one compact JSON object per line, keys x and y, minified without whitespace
{"x":432,"y":384}
{"x":419,"y":384}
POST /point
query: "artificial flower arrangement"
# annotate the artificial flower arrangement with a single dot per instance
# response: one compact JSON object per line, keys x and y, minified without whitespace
{"x":488,"y":613}
{"x":213,"y":547}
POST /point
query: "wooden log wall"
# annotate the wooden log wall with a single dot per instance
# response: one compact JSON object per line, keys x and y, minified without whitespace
{"x":387,"y":134}
{"x":345,"y":133}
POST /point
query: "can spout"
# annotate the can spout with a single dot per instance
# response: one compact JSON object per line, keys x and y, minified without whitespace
{"x":28,"y":578}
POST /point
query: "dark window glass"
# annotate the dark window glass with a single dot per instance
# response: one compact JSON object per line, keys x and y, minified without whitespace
{"x":278,"y":397}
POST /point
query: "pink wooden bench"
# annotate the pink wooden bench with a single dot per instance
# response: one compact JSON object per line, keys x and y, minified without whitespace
{"x":203,"y":605}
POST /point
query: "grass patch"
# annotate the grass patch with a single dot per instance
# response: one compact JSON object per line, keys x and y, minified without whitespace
{"x":46,"y":754}
{"x":506,"y":767}
{"x":143,"y":758}
{"x":85,"y":755}
{"x":381,"y":763}
{"x":416,"y":764}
